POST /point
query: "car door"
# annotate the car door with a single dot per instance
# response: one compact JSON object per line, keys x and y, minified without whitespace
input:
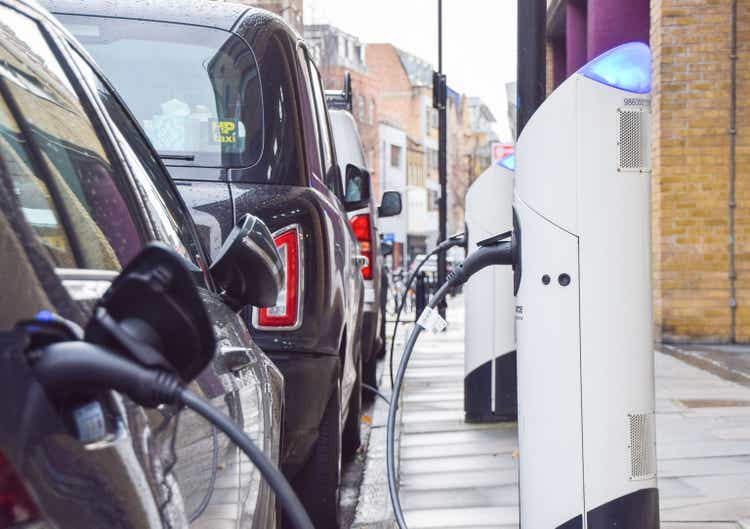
{"x":218,"y":481}
{"x":83,"y":235}
{"x":78,"y":199}
{"x":347,"y":250}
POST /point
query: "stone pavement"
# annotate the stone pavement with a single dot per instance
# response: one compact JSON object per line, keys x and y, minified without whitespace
{"x":459,"y":476}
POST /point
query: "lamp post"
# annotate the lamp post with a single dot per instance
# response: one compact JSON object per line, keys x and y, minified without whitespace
{"x":440,"y":89}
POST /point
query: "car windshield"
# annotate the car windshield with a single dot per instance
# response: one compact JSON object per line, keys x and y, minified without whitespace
{"x":195,"y":90}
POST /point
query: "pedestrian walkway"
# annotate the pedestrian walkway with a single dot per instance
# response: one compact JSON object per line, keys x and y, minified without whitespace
{"x":455,"y":475}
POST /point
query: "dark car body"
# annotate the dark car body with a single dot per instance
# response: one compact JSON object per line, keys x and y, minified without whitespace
{"x":244,"y":128}
{"x":81,"y":193}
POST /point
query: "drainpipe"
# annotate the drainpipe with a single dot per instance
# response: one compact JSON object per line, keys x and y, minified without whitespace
{"x":732,"y":174}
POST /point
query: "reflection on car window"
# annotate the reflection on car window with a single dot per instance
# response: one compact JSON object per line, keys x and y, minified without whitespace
{"x":202,"y":94}
{"x":195,"y":90}
{"x":167,"y":213}
{"x":81,"y":174}
{"x":31,"y":193}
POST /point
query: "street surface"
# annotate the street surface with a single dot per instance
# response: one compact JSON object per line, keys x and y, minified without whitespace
{"x":459,"y":476}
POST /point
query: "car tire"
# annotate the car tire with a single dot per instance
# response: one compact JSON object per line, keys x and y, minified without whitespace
{"x":352,"y":436}
{"x":317,"y":484}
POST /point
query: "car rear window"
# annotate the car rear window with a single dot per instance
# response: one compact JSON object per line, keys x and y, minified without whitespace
{"x":195,"y":90}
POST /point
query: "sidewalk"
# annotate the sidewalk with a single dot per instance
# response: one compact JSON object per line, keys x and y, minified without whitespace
{"x":458,"y":476}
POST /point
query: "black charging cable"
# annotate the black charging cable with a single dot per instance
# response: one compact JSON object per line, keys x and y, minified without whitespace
{"x":456,"y":240}
{"x":63,"y":366}
{"x":497,"y":252}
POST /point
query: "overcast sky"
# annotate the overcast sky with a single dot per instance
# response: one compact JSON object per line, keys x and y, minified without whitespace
{"x":479,"y":39}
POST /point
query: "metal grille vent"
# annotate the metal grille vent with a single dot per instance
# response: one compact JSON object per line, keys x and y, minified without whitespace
{"x":633,"y":144}
{"x":642,"y":446}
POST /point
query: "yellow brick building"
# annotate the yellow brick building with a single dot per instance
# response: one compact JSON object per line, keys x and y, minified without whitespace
{"x":695,"y":163}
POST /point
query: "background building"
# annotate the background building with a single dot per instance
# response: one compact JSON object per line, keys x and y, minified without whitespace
{"x":336,"y":53}
{"x":405,"y":99}
{"x":393,"y":160}
{"x":699,"y":295}
{"x":289,"y":10}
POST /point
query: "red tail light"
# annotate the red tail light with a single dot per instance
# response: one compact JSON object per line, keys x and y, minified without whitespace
{"x":286,"y":314}
{"x":16,"y":506}
{"x":363,"y":233}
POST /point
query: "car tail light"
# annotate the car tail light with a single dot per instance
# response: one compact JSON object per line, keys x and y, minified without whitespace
{"x":16,"y":506}
{"x":363,"y":233}
{"x":287,"y":311}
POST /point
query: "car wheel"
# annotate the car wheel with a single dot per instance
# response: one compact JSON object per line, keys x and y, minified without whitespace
{"x":317,"y":484}
{"x":352,"y":436}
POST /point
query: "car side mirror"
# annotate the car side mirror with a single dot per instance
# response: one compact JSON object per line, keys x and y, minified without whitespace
{"x":357,"y":195}
{"x":248,"y":266}
{"x":390,"y":205}
{"x":386,"y":249}
{"x":154,"y":313}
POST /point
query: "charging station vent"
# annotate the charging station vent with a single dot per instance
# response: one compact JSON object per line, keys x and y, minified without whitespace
{"x":642,"y":446}
{"x":633,"y":144}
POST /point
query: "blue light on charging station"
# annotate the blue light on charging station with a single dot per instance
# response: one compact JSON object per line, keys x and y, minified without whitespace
{"x":627,"y":67}
{"x":509,"y":162}
{"x":44,"y":315}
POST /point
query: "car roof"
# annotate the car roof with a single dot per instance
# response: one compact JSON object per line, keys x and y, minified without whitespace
{"x":221,"y":15}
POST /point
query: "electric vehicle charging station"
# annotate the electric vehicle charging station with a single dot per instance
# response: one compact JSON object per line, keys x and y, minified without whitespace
{"x":583,"y":315}
{"x":490,"y":388}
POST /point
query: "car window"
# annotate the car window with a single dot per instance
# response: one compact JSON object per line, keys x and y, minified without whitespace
{"x":167,"y":213}
{"x":210,"y":100}
{"x":31,"y":192}
{"x":202,"y":96}
{"x":80,"y":178}
{"x":329,"y":167}
{"x":310,"y":115}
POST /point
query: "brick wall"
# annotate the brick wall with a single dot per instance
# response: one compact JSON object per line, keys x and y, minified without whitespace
{"x":398,"y":103}
{"x":690,"y":158}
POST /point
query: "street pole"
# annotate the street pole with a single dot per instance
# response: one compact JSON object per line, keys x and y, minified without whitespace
{"x":532,"y":79}
{"x":442,"y":156}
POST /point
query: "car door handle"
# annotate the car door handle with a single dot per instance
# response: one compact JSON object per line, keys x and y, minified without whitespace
{"x":235,"y":358}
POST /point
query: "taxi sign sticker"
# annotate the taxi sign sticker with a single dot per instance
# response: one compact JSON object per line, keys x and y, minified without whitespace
{"x":224,"y":131}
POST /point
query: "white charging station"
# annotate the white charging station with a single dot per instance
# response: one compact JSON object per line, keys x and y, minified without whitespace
{"x":490,"y":387}
{"x":583,"y":316}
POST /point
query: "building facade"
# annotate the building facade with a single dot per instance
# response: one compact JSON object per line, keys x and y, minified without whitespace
{"x":405,"y":99}
{"x":290,"y":10}
{"x":337,"y":52}
{"x":394,"y":163}
{"x":700,"y":149}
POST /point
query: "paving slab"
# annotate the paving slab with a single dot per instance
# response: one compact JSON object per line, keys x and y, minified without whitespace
{"x":455,"y":475}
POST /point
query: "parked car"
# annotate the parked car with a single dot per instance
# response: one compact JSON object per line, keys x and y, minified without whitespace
{"x":81,"y":193}
{"x":232,"y":101}
{"x":349,"y":151}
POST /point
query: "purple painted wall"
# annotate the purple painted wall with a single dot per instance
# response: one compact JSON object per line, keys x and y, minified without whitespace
{"x":614,"y":22}
{"x":575,"y":35}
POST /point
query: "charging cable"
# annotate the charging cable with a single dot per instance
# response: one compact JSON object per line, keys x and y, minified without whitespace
{"x":63,"y":366}
{"x":497,"y":251}
{"x":458,"y":239}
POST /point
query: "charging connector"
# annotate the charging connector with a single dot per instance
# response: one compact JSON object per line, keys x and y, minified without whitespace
{"x":457,"y":240}
{"x":501,"y":250}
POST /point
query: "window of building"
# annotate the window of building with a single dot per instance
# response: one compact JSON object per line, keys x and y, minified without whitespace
{"x":433,"y":199}
{"x":395,"y":156}
{"x":361,"y":108}
{"x":371,"y":113}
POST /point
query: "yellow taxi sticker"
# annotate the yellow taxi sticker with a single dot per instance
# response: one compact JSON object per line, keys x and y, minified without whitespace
{"x":224,"y":131}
